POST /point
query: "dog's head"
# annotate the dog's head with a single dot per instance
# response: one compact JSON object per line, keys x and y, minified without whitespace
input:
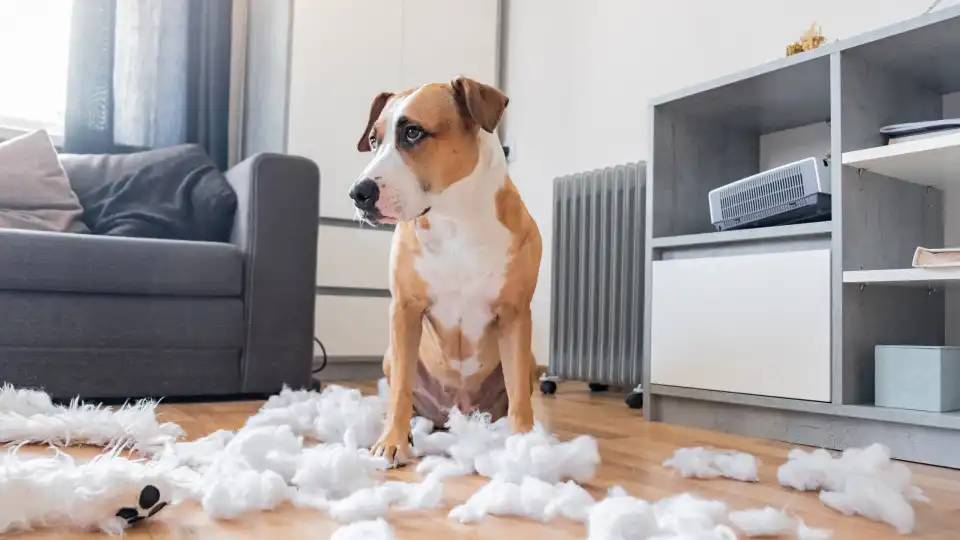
{"x":423,"y":141}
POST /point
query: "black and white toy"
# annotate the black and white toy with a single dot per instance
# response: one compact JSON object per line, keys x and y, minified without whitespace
{"x":107,"y":493}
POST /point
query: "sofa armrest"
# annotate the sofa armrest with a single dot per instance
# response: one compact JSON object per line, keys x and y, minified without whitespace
{"x":276,"y":229}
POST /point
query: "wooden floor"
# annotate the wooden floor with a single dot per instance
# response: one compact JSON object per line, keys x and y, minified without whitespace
{"x":632,"y":451}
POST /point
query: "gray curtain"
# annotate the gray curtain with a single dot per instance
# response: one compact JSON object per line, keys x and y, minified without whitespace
{"x":149,"y":74}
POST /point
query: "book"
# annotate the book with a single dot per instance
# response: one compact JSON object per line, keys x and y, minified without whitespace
{"x":936,"y":258}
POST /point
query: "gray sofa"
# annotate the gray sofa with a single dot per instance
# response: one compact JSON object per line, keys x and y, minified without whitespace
{"x":113,"y":317}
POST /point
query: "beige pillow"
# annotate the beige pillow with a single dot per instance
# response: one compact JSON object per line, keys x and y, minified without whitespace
{"x":34,"y":191}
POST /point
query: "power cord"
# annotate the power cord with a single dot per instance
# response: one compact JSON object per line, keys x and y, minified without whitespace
{"x":324,"y":351}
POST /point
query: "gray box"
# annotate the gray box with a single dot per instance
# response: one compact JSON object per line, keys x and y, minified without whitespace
{"x":918,"y":378}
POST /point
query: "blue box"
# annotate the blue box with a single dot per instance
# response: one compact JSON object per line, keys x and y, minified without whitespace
{"x":917,"y":377}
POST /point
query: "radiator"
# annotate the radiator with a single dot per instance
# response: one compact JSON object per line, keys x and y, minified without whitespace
{"x":596,"y":334}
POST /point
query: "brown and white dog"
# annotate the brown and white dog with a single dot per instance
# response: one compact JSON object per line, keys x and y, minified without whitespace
{"x":464,"y":261}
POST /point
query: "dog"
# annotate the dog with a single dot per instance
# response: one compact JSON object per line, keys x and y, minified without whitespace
{"x":464,"y":261}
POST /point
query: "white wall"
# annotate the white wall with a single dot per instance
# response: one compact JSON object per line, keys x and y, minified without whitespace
{"x":580,"y":74}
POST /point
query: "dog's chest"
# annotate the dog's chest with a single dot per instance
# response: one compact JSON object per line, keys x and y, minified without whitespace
{"x":464,"y":272}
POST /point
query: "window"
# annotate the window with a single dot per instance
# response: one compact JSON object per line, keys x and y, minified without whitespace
{"x":34,"y":38}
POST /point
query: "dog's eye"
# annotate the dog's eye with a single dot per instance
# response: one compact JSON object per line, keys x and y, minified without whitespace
{"x":413,"y":134}
{"x":373,"y":142}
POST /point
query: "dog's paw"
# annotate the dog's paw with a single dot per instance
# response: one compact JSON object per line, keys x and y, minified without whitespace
{"x":394,"y":447}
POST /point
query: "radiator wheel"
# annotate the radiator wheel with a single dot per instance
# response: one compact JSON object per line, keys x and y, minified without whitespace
{"x":634,"y":400}
{"x":598,"y":387}
{"x":548,"y":388}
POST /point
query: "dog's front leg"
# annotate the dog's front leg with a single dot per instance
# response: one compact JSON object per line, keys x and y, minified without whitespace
{"x":406,"y":327}
{"x":516,"y":355}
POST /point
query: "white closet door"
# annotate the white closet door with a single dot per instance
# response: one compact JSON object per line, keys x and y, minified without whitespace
{"x":353,"y":257}
{"x":352,"y":326}
{"x":344,"y":52}
{"x":446,"y":38}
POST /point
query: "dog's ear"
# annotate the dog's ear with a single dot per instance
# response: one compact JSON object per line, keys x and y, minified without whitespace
{"x":376,"y":108}
{"x":479,"y":102}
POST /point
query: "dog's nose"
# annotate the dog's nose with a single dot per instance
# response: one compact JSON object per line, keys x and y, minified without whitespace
{"x":365,"y":194}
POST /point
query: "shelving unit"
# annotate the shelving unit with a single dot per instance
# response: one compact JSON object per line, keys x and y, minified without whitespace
{"x":930,"y":162}
{"x":904,"y":277}
{"x":822,"y":228}
{"x":730,"y":316}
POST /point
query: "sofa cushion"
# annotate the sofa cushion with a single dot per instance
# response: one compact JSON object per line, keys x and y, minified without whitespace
{"x":59,"y":262}
{"x":122,"y":373}
{"x":99,"y":321}
{"x":175,"y":193}
{"x":34,"y":191}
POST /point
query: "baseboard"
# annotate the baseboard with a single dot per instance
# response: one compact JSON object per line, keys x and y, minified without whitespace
{"x":362,"y":368}
{"x":350,"y":368}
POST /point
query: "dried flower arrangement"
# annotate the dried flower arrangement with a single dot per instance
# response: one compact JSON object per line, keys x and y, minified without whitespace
{"x":811,"y":39}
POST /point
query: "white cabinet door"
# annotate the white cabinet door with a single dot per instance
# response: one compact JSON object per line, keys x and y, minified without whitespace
{"x":751,"y":324}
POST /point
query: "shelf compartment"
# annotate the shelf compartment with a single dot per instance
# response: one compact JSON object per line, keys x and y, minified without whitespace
{"x":934,"y":161}
{"x":904,"y":277}
{"x":821,"y":228}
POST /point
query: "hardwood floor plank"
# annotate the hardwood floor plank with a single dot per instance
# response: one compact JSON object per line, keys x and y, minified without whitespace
{"x":632,"y":452}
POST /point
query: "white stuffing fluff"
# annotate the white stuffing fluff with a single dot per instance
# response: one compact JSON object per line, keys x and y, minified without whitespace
{"x":59,"y":491}
{"x":365,"y":530}
{"x":335,"y":471}
{"x":266,"y":463}
{"x":807,"y":533}
{"x":621,"y":517}
{"x":688,"y":514}
{"x":335,"y":415}
{"x":427,"y":442}
{"x":540,"y":455}
{"x":709,"y":463}
{"x":682,"y":517}
{"x":474,"y":435}
{"x":374,"y":502}
{"x":532,"y":498}
{"x":29,"y":416}
{"x":766,"y":521}
{"x":862,"y":481}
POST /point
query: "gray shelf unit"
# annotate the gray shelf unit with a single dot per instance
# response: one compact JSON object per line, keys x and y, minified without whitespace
{"x":708,"y":135}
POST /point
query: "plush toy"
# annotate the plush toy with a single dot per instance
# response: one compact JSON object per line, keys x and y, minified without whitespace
{"x":107,"y":493}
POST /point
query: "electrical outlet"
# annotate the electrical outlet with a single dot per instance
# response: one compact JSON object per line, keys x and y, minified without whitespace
{"x":510,"y":149}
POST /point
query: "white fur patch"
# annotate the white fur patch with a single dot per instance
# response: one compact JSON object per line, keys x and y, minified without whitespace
{"x":467,"y":367}
{"x":465,"y":251}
